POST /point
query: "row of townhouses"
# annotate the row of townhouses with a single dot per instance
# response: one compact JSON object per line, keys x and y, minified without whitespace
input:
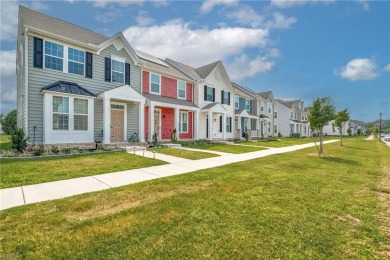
{"x":77,"y":86}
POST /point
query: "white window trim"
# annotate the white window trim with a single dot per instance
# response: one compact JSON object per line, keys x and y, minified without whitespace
{"x":275,"y":114}
{"x":185,"y":90}
{"x":238,"y":102}
{"x":150,"y":83}
{"x":227,"y":129}
{"x":262,"y":105}
{"x":67,"y":64}
{"x":124,"y":117}
{"x":80,"y":114}
{"x":61,"y":113}
{"x":181,"y":122}
{"x":223,"y":97}
{"x":65,"y":58}
{"x":207,"y":93}
{"x":276,"y":129}
{"x":269,"y":107}
{"x":122,"y":72}
{"x":51,"y":136}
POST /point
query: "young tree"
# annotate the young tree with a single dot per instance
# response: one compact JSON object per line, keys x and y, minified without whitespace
{"x":349,"y":131}
{"x":320,"y":114}
{"x":341,"y":118}
{"x":359,"y":131}
{"x":8,"y":123}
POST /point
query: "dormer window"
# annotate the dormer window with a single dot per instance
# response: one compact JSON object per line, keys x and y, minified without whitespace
{"x":155,"y":83}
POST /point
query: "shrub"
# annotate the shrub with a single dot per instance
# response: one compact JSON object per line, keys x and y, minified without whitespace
{"x":19,"y":139}
{"x":39,"y":150}
{"x":155,"y":140}
{"x":247,"y":136}
{"x":67,"y":150}
{"x":54,"y":149}
{"x":279,"y":134}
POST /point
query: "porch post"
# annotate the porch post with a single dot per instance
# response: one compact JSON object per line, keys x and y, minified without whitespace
{"x":141,"y":124}
{"x":196,"y":125}
{"x":210,"y":118}
{"x":239,"y":125}
{"x":151,"y":122}
{"x":176,"y":123}
{"x":106,"y":120}
{"x":224,"y":126}
{"x":257,"y":127}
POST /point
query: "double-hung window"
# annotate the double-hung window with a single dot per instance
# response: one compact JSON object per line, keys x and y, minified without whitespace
{"x":54,"y":56}
{"x":269,"y":127}
{"x":76,"y":61}
{"x":236,"y":102}
{"x":292,"y":115}
{"x":262,"y":106}
{"x":275,"y":129}
{"x":225,"y":97}
{"x":117,"y":71}
{"x":80,"y":114}
{"x":155,"y":83}
{"x":269,"y":106}
{"x":210,"y":94}
{"x":228,"y":124}
{"x":253,"y":124}
{"x":247,"y":105}
{"x":183,"y":122}
{"x":275,"y":114}
{"x":60,"y":113}
{"x":181,"y":89}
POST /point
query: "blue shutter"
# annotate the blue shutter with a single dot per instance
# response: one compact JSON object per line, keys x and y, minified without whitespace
{"x":127,"y":73}
{"x":88,"y":65}
{"x":107,"y":69}
{"x":205,"y":93}
{"x":38,"y":53}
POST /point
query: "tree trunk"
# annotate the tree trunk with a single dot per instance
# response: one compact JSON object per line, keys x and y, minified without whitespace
{"x":321,"y":144}
{"x":341,"y":136}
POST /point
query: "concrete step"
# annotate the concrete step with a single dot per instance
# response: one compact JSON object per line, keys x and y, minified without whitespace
{"x":130,"y":149}
{"x":171,"y":145}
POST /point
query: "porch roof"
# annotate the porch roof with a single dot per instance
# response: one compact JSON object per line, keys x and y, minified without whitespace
{"x":124,"y":92}
{"x":168,"y":100}
{"x":69,"y":88}
{"x":295,"y":121}
{"x":244,"y":113}
{"x":215,"y":107}
{"x":263,"y":116}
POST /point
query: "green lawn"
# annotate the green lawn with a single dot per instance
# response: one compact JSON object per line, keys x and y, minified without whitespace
{"x":224,"y":148}
{"x":192,"y":155}
{"x":292,"y":205}
{"x":17,"y":172}
{"x":5,"y":142}
{"x":287,"y":141}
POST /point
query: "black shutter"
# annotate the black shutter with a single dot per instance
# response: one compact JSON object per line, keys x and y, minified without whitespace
{"x":230,"y":126}
{"x":88,"y":65}
{"x":127,"y":73}
{"x":220,"y":123}
{"x":213,"y":94}
{"x":205,"y":93}
{"x":107,"y":69}
{"x":38,"y":53}
{"x":221,"y":96}
{"x":229,"y":98}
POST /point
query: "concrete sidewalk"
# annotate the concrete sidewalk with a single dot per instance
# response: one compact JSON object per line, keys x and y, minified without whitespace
{"x":27,"y":194}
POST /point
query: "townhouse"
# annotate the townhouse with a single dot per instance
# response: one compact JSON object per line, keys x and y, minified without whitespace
{"x":291,"y":118}
{"x":266,"y":112}
{"x":354,"y":125}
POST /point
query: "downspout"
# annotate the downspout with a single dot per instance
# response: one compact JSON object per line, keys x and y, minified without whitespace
{"x":273,"y":119}
{"x":26,"y":61}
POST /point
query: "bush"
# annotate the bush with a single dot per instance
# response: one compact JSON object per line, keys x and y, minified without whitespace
{"x":155,"y":140}
{"x":279,"y":134}
{"x":54,"y":149}
{"x":39,"y":151}
{"x":67,"y":150}
{"x":19,"y":140}
{"x":247,"y":136}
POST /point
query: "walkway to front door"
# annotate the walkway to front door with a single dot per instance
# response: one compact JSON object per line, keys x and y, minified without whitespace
{"x":117,"y":125}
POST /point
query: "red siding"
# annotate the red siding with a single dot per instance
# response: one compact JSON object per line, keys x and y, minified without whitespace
{"x":189,"y":92}
{"x":145,"y":82}
{"x":169,"y":87}
{"x":190,"y":126}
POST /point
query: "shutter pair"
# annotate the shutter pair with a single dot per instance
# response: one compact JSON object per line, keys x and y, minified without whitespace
{"x":38,"y":58}
{"x":205,"y":93}
{"x":222,"y":95}
{"x":107,"y":70}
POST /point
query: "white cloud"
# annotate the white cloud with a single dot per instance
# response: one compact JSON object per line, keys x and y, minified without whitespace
{"x":143,"y":20}
{"x":358,"y":69}
{"x":8,"y":63}
{"x":194,"y":46}
{"x":39,"y":6}
{"x":109,"y":15}
{"x":292,"y":3}
{"x":243,"y":67}
{"x":9,"y":20}
{"x":246,"y":15}
{"x":387,"y":68}
{"x":364,"y":4}
{"x":208,"y":5}
{"x":104,"y":3}
{"x":281,"y":22}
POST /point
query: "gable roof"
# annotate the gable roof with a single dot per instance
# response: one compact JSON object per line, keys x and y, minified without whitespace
{"x":126,"y":45}
{"x":265,"y":94}
{"x":288,"y":104}
{"x":244,"y":90}
{"x":69,"y":88}
{"x":183,"y":68}
{"x":40,"y":21}
{"x":205,"y":70}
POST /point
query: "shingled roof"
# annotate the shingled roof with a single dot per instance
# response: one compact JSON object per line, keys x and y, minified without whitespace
{"x":174,"y":101}
{"x":265,"y":95}
{"x":205,"y":70}
{"x":59,"y":27}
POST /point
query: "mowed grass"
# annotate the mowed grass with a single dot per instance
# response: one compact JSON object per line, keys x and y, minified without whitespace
{"x":187,"y":154}
{"x":287,"y":141}
{"x":293,"y":205}
{"x":5,"y":142}
{"x":17,"y":172}
{"x":225,"y":148}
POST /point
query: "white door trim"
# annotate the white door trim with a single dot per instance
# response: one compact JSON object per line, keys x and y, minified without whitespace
{"x":159,"y":127}
{"x":124,"y":117}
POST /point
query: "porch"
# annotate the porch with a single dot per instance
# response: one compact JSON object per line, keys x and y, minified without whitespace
{"x":215,"y":122}
{"x":246,"y":122}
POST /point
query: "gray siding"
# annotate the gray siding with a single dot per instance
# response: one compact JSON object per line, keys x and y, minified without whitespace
{"x":39,"y":78}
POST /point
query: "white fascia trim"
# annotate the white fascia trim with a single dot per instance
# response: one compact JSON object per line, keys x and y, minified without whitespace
{"x":120,"y":97}
{"x":166,"y":74}
{"x":117,"y":58}
{"x":26,"y":76}
{"x":55,"y":93}
{"x":126,"y":46}
{"x":161,"y":104}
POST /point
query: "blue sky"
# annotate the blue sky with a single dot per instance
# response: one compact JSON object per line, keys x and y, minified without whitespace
{"x":297,"y":49}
